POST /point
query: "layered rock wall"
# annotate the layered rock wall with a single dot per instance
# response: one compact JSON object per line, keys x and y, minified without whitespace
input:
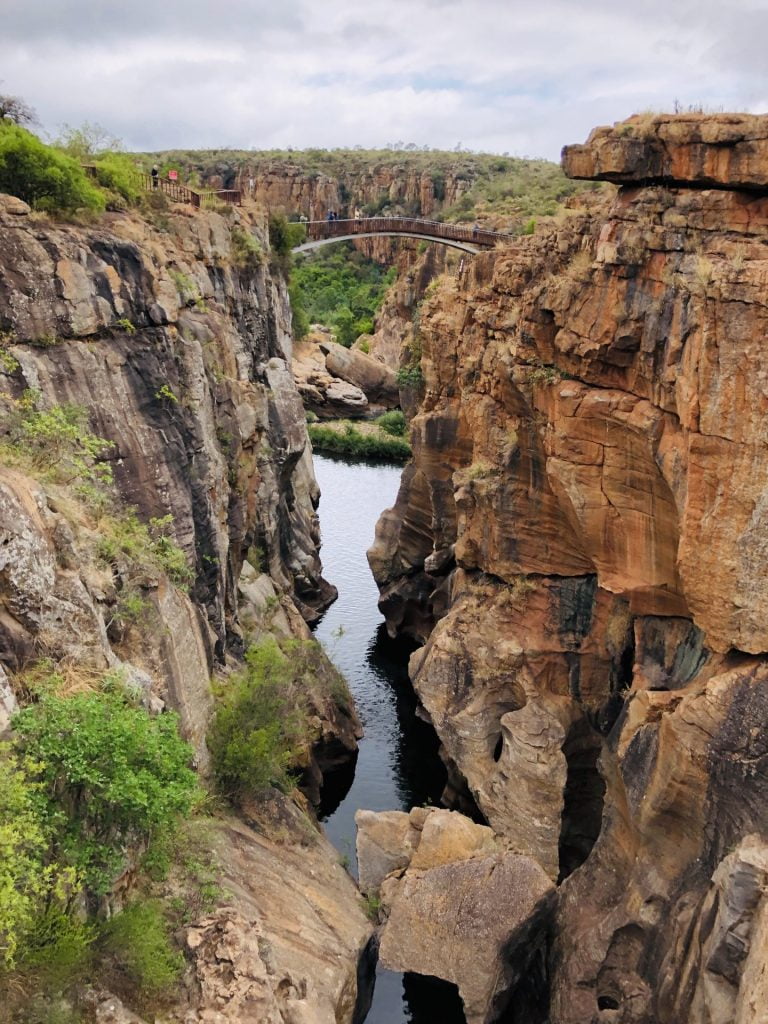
{"x":580,"y":543}
{"x":177,"y":351}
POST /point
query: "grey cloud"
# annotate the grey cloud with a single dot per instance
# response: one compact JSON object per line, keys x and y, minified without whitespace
{"x":522,"y":76}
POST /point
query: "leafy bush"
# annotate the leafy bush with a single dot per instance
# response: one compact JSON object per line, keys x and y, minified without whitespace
{"x":109,"y":775}
{"x":42,"y":176}
{"x":299,"y":318}
{"x":246,"y":250}
{"x":139,"y":551}
{"x":139,"y":940}
{"x":257,"y":727}
{"x":58,"y":441}
{"x":117,"y":172}
{"x":342,"y":289}
{"x":392,"y":422}
{"x":410,"y":376}
{"x":283,"y":236}
{"x":23,"y":845}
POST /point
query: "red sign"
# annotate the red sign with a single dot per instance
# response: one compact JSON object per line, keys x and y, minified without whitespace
{"x":173,"y":175}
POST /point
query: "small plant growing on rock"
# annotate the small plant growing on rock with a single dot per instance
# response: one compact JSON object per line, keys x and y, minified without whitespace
{"x":246,"y":250}
{"x":410,"y":376}
{"x":124,"y":324}
{"x":166,"y":394}
{"x":372,"y":906}
{"x":58,"y":442}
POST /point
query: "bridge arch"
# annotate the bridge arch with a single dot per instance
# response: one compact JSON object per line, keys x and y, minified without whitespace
{"x":319,"y":242}
{"x":458,"y":236}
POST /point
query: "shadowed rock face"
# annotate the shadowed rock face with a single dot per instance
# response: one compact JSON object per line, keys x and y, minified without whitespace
{"x":181,"y":358}
{"x":196,"y":395}
{"x":580,"y":542}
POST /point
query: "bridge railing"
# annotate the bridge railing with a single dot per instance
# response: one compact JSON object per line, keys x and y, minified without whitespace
{"x":178,"y":193}
{"x":320,"y":229}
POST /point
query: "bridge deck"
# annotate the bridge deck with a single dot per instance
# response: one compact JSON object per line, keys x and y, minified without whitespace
{"x":321,"y":232}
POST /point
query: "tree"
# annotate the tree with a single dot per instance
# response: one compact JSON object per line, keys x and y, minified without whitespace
{"x":15,"y":109}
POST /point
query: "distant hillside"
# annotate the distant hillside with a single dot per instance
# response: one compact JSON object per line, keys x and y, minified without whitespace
{"x":502,"y":190}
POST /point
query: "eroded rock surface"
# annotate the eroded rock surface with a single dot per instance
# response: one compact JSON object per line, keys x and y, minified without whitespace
{"x":580,"y":542}
{"x":458,"y":905}
{"x":180,"y":357}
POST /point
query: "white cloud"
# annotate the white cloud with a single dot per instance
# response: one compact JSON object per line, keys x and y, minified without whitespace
{"x":524,"y":76}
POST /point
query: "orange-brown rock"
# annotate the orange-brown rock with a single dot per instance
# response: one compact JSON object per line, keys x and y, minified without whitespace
{"x":702,"y":150}
{"x":581,"y":542}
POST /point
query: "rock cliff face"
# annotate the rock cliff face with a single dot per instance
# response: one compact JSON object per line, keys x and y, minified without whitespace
{"x":288,"y":188}
{"x":581,"y":543}
{"x":179,"y":353}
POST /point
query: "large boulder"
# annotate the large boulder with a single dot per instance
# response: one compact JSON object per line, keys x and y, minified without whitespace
{"x":458,"y":904}
{"x":375,"y":379}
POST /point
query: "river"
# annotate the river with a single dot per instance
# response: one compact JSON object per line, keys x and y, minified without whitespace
{"x":398,"y":766}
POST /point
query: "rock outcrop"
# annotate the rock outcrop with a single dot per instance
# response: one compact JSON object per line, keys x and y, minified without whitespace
{"x":340,"y":383}
{"x":287,"y":187}
{"x":178,"y":355}
{"x":580,"y":542}
{"x":727,"y":151}
{"x":458,"y":905}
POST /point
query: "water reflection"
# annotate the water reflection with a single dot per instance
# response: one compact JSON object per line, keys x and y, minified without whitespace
{"x":398,"y":766}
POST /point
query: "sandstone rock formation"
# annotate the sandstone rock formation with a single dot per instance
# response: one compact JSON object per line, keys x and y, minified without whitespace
{"x":724,"y":151}
{"x":339,"y":383}
{"x":581,"y":543}
{"x":376,"y":380}
{"x":285,"y":948}
{"x":180,"y":357}
{"x":286,"y":187}
{"x":458,"y":905}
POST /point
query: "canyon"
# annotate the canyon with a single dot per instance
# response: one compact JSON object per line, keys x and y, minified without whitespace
{"x":577,"y":552}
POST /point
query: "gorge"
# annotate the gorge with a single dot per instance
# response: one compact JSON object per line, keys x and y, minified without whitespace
{"x":565,"y":817}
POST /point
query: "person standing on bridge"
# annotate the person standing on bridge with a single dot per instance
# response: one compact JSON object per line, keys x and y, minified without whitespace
{"x":155,"y":174}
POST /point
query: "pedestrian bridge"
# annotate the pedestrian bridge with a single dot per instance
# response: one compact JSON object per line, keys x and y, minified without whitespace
{"x":459,"y":236}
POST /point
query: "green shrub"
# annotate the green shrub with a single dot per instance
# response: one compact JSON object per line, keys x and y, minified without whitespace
{"x":299,"y":318}
{"x":340,"y":288}
{"x":246,"y":250}
{"x":139,"y":940}
{"x":257,"y":727}
{"x":139,"y":551}
{"x":283,"y":236}
{"x":57,"y":948}
{"x":58,"y":441}
{"x":353,"y":443}
{"x":365,"y":345}
{"x":110,"y":777}
{"x":410,"y":376}
{"x":23,"y":845}
{"x":118,"y":172}
{"x":392,"y":422}
{"x":42,"y":176}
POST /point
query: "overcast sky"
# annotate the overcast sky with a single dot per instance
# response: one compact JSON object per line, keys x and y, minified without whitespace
{"x":517,"y":76}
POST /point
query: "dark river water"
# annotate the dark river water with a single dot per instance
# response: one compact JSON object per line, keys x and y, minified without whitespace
{"x":398,"y":766}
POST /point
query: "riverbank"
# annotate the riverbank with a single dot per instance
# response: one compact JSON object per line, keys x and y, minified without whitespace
{"x":359,"y":440}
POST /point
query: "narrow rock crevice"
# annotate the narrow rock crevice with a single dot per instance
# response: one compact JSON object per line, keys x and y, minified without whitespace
{"x":582,"y":798}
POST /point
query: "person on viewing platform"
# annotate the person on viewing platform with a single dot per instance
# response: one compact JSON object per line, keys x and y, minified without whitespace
{"x":303,"y":219}
{"x":330,"y":216}
{"x":155,"y":173}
